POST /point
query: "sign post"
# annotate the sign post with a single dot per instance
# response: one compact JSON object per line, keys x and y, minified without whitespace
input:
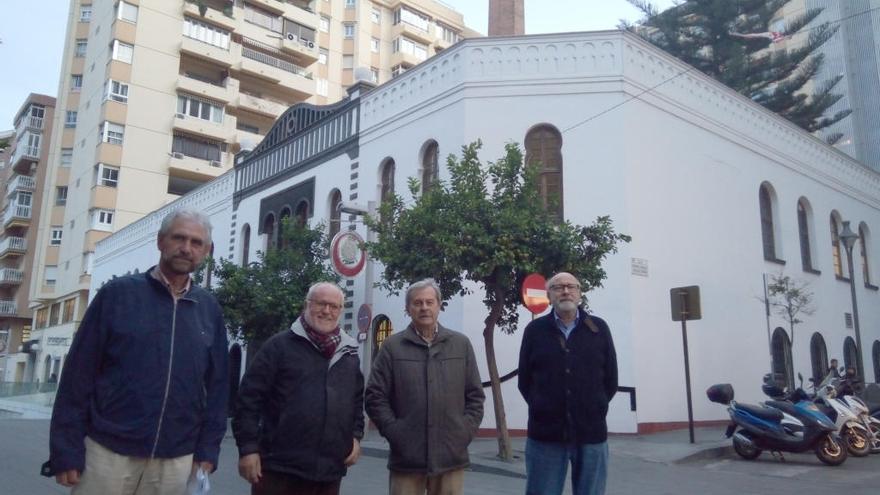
{"x":685,"y":304}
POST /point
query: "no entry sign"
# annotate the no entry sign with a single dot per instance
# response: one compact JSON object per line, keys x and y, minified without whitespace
{"x":534,"y":293}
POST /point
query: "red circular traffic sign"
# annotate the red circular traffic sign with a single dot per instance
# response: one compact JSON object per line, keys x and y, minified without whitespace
{"x":534,"y":293}
{"x":347,"y":254}
{"x":365,"y":316}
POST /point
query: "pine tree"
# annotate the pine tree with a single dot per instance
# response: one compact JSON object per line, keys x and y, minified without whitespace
{"x":707,"y":34}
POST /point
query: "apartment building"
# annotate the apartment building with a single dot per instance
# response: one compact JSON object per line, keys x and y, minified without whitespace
{"x":24,"y":171}
{"x":155,"y":98}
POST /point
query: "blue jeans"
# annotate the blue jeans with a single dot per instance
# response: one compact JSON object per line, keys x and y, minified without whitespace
{"x":547,"y":465}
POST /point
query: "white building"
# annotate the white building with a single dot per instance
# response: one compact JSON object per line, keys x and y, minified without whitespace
{"x":706,"y":182}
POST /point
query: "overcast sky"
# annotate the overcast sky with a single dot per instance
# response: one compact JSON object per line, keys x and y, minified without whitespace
{"x":32,"y":37}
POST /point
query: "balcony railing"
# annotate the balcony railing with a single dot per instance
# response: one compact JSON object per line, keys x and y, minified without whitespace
{"x":11,"y":276}
{"x":248,"y":50}
{"x":29,"y":122}
{"x":7,"y":307}
{"x":13,"y":244}
{"x":21,"y":183}
{"x":32,"y":152}
{"x":14,"y":211}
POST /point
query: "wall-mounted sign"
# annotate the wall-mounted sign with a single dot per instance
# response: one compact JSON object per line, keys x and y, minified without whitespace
{"x":347,"y":254}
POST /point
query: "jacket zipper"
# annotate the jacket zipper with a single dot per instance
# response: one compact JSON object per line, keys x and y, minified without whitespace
{"x":167,"y":381}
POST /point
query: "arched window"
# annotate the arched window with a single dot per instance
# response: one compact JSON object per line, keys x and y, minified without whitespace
{"x":302,"y":213}
{"x":875,"y":353}
{"x":768,"y":225}
{"x":245,"y":244}
{"x":281,"y":241}
{"x":47,"y":368}
{"x":335,"y":223}
{"x":382,"y":329}
{"x":818,"y":357}
{"x":804,"y":215}
{"x":850,"y":354}
{"x":430,"y":164}
{"x":835,"y":246}
{"x":544,"y":150}
{"x":387,"y":180}
{"x":269,"y":231}
{"x":863,"y":244}
{"x":781,"y":352}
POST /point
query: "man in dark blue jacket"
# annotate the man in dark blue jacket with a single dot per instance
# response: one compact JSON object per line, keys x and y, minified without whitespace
{"x":567,"y":375}
{"x":142,"y":398}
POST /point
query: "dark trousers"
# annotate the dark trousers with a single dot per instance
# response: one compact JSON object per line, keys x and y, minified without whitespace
{"x":273,"y":483}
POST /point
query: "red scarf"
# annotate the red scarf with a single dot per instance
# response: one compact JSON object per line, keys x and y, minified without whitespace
{"x":325,"y":342}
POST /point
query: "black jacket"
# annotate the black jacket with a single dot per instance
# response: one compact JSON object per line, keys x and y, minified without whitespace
{"x":568,"y":383}
{"x":115,"y":376}
{"x":299,"y":410}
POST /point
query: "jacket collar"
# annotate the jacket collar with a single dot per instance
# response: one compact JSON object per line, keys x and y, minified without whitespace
{"x":410,"y":334}
{"x":582,"y":317}
{"x":347,"y":344}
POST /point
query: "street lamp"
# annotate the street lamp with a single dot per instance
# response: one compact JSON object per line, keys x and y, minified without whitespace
{"x":849,"y":240}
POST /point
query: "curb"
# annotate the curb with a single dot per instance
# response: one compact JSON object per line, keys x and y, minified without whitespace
{"x":710,"y":453}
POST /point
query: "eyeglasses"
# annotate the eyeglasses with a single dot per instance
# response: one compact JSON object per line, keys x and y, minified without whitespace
{"x":565,"y":287}
{"x":325,"y":305}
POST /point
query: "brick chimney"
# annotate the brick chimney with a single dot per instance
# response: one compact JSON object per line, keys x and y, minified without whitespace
{"x":506,"y":18}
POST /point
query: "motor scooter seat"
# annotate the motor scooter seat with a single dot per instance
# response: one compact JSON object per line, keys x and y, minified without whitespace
{"x":767,"y":413}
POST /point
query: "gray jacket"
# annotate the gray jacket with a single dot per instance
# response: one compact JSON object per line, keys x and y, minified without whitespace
{"x":426,"y":400}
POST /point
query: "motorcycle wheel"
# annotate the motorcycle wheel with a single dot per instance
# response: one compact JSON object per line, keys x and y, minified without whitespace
{"x":875,"y":437}
{"x":857,"y":442}
{"x":831,"y":450}
{"x":744,"y":450}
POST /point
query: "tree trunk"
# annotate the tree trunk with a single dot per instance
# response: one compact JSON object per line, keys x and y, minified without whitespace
{"x":504,"y":450}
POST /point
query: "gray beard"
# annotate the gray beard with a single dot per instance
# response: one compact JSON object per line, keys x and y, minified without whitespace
{"x":566,"y":306}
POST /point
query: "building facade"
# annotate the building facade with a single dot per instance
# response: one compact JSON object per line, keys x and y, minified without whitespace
{"x":715,"y":191}
{"x":23,"y":179}
{"x":155,"y":98}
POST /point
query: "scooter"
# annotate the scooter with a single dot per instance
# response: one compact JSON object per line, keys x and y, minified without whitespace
{"x":855,"y":434}
{"x":796,"y":426}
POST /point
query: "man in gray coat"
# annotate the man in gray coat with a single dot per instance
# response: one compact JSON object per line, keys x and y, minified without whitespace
{"x":426,"y":397}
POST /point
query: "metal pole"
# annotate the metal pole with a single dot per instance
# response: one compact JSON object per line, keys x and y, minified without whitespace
{"x":855,"y":308}
{"x":687,"y":365}
{"x":767,"y":316}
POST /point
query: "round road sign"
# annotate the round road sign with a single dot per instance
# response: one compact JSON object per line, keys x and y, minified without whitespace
{"x":365,"y":316}
{"x":347,"y":255}
{"x":534,"y":293}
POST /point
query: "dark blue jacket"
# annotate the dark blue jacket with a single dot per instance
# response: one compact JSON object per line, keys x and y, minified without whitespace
{"x":568,"y":383}
{"x":113,"y":385}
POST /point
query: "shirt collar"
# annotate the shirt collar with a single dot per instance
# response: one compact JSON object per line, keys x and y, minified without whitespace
{"x":158,"y":275}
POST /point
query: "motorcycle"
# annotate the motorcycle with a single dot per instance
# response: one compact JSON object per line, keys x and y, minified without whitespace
{"x":796,"y":426}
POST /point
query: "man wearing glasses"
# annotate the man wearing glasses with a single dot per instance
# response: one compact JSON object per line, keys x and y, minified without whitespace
{"x":567,"y":375}
{"x":299,"y":416}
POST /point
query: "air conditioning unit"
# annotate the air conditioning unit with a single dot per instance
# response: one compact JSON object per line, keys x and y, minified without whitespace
{"x":215,"y":163}
{"x":291,"y":37}
{"x":177,"y":155}
{"x":180,"y":115}
{"x":311,"y":44}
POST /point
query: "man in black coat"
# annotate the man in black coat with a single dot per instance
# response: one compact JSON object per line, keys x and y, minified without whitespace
{"x":299,"y":416}
{"x":567,"y":375}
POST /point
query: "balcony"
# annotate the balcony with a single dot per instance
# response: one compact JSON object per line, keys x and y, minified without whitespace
{"x":212,"y":16}
{"x":16,"y":216}
{"x":11,"y":276}
{"x":21,"y":183}
{"x":209,"y":89}
{"x":260,"y":106}
{"x":407,"y":59}
{"x":304,"y":51}
{"x":12,"y":246}
{"x":29,"y":123}
{"x":262,"y":64}
{"x":212,"y":130}
{"x":412,"y":32}
{"x":205,"y":51}
{"x":7,"y":307}
{"x":23,"y":157}
{"x":302,"y":15}
{"x":198,"y":169}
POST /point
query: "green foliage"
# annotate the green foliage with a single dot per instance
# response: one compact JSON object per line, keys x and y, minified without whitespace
{"x":699,"y":32}
{"x":266,"y":296}
{"x":485,"y":225}
{"x":790,"y":298}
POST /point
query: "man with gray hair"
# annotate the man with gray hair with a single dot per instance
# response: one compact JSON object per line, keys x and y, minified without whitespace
{"x":142,"y":398}
{"x":299,"y":416}
{"x":567,"y":375}
{"x":426,"y":398}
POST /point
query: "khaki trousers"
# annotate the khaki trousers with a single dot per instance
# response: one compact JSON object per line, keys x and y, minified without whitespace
{"x":448,"y":483}
{"x":109,"y":473}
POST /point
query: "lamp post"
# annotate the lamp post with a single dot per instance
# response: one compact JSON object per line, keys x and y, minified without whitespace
{"x":849,"y":240}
